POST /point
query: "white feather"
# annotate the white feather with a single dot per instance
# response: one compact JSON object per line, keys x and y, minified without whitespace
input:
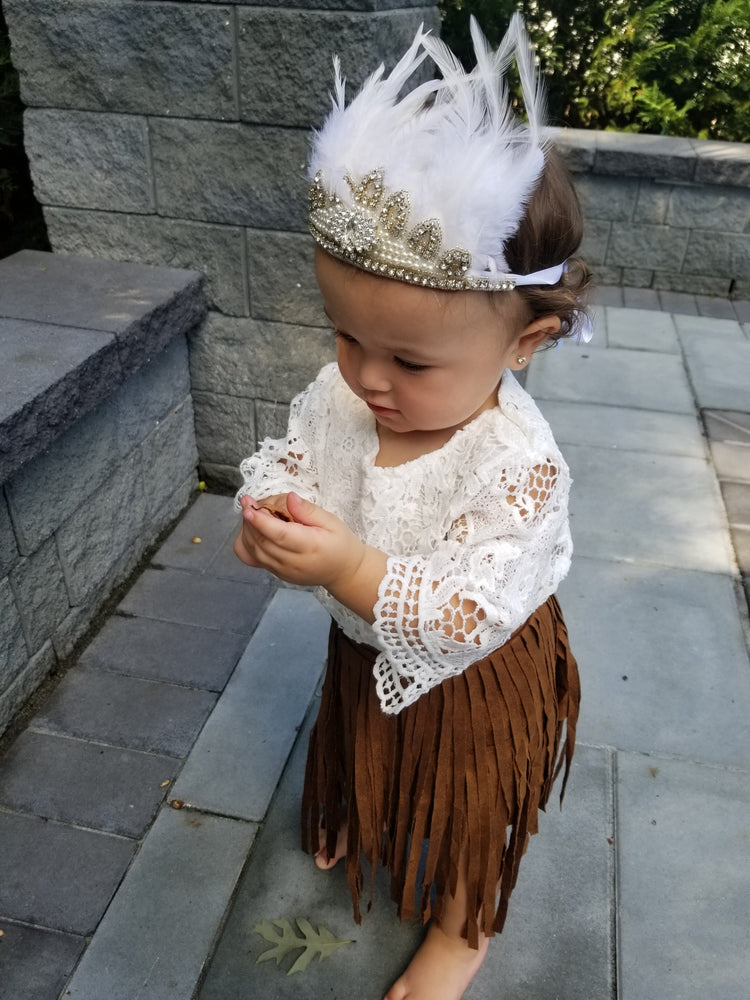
{"x":453,"y":143}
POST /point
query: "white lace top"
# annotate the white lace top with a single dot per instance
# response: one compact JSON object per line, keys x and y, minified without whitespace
{"x":476,"y":533}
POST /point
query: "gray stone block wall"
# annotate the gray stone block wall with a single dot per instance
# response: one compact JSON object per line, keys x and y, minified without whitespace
{"x":664,"y":213}
{"x":76,"y":521}
{"x":89,"y":476}
{"x":176,"y":132}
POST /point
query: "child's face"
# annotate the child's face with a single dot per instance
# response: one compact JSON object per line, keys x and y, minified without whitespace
{"x":421,"y":360}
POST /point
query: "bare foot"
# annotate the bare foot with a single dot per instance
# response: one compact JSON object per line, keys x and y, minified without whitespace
{"x":321,"y":857}
{"x":441,"y":969}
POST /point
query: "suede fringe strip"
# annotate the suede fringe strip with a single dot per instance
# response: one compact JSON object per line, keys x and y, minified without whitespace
{"x":455,"y":779}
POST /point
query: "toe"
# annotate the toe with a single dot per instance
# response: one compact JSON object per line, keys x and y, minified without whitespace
{"x":323,"y":861}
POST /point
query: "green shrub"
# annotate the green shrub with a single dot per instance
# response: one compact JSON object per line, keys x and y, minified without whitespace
{"x":665,"y":67}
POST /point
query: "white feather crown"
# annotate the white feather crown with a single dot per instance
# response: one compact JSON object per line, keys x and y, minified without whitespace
{"x":427,"y":188}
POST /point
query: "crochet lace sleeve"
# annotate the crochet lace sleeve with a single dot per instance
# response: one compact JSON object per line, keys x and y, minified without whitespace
{"x":438,"y":613}
{"x":285,"y":464}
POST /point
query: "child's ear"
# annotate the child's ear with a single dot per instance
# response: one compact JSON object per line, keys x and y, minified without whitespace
{"x":535,"y":334}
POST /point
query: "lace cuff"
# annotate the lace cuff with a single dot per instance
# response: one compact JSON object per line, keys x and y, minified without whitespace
{"x":282,"y":464}
{"x":430,"y":636}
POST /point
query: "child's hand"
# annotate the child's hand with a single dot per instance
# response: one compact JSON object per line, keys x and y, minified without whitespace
{"x":317,"y":548}
{"x":242,"y":550}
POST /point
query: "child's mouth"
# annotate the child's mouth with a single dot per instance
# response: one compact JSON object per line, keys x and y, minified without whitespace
{"x":381,"y":411}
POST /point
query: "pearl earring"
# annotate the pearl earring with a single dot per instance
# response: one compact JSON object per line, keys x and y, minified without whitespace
{"x":521,"y":360}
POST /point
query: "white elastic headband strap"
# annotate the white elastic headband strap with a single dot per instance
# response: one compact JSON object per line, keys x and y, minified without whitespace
{"x":549,"y":276}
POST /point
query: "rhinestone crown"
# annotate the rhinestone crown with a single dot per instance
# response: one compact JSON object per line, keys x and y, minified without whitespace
{"x":374,"y":233}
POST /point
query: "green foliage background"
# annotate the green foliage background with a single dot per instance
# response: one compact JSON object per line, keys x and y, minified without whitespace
{"x":669,"y":68}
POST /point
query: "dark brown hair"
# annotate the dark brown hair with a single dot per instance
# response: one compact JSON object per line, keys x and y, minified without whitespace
{"x":550,"y":233}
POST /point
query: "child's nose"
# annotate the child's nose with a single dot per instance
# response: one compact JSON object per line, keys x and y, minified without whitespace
{"x":373,"y":375}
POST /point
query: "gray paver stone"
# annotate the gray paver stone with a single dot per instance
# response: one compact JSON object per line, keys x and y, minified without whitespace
{"x":641,"y":329}
{"x":737,"y":499}
{"x":35,"y":963}
{"x":615,"y":377}
{"x":678,"y":302}
{"x":125,"y":711}
{"x":556,"y":945}
{"x":58,"y":876}
{"x":720,"y":374}
{"x":596,"y":241}
{"x":239,"y":756}
{"x":212,"y":518}
{"x":663,"y":660}
{"x":692,"y":329}
{"x":619,"y":428}
{"x":684,"y":880}
{"x":652,"y":508}
{"x":741,"y":539}
{"x":165,"y":651}
{"x":227,"y":566}
{"x":224,"y":477}
{"x":193,"y":599}
{"x":727,"y":425}
{"x":85,"y":784}
{"x":159,"y":928}
{"x":640,"y":299}
{"x":715,"y":305}
{"x":731,"y":461}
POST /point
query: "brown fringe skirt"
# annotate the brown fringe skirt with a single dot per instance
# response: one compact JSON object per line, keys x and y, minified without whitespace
{"x":464,"y":770}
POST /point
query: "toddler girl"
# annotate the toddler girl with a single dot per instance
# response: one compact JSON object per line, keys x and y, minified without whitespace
{"x":422,"y":493}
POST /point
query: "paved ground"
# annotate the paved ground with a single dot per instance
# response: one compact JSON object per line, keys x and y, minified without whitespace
{"x":199,"y":690}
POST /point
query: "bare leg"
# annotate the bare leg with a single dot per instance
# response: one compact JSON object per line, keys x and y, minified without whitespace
{"x":444,"y":964}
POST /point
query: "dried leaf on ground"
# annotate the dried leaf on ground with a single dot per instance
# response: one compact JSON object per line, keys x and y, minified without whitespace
{"x":284,"y":939}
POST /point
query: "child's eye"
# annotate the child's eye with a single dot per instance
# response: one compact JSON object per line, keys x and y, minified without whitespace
{"x":347,"y":338}
{"x":410,"y":366}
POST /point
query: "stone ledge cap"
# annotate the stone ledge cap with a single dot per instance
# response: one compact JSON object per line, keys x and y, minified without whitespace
{"x":663,"y":157}
{"x":71,"y":330}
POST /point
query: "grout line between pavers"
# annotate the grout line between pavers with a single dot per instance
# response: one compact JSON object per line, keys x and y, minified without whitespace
{"x":95,"y":741}
{"x":52,"y":821}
